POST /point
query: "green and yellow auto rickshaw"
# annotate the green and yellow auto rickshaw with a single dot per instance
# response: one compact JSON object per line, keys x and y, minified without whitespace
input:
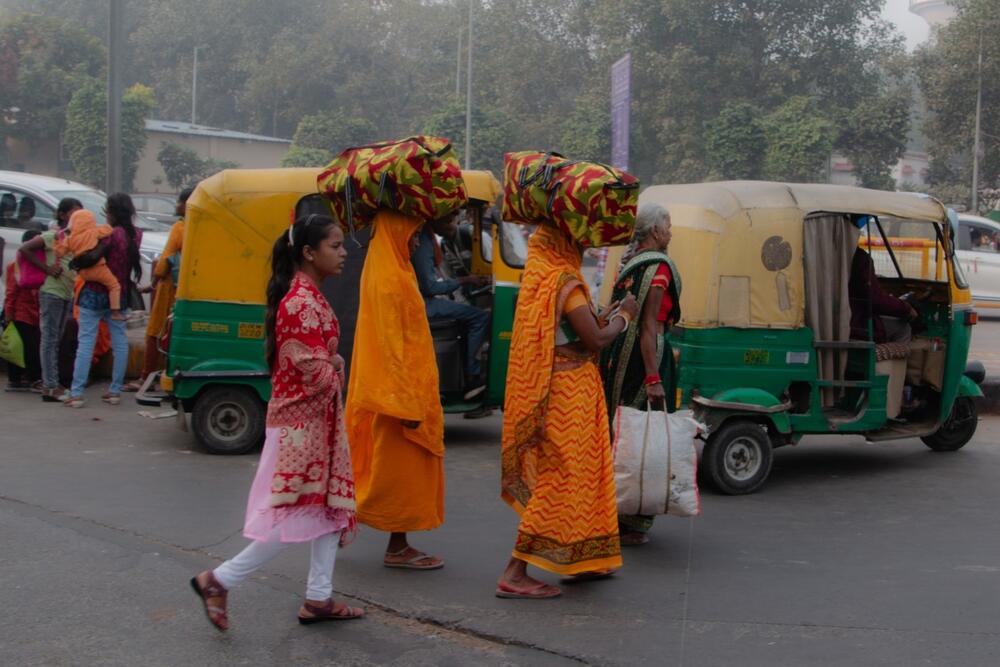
{"x":766,"y":352}
{"x":215,"y":356}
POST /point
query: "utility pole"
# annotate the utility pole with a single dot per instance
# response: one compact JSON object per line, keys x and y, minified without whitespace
{"x":194,"y":87}
{"x":468,"y":97}
{"x":977,"y":142}
{"x":113,"y":177}
{"x":458,"y":67}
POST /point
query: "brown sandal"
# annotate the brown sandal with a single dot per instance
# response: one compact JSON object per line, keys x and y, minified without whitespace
{"x":213,"y":589}
{"x":329,"y":612}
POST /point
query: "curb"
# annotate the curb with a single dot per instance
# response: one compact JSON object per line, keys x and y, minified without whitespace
{"x":989,"y":404}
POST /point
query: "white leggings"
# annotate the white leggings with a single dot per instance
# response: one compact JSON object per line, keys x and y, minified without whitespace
{"x":322,"y":559}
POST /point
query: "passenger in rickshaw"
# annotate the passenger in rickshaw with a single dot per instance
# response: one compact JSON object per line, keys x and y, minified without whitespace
{"x":891,"y":316}
{"x":437,"y":291}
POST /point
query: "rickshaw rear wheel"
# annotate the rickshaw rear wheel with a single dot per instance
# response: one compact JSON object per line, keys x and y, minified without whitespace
{"x":737,"y":457}
{"x":958,"y":429}
{"x":228,"y":420}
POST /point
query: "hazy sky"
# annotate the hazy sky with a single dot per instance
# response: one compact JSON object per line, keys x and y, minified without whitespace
{"x":911,"y":25}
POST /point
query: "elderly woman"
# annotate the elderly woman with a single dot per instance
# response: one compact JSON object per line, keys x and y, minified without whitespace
{"x":557,"y":471}
{"x":638,"y":368}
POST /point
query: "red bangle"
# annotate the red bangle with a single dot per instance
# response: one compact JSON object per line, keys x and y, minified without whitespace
{"x":652,"y":379}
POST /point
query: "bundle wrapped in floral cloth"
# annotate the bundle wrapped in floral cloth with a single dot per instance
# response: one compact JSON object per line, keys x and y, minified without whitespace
{"x":590,"y":201}
{"x":418,"y":176}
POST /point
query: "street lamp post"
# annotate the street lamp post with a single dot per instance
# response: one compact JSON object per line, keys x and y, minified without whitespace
{"x":194,"y":86}
{"x":977,"y":142}
{"x":468,"y":97}
{"x":113,"y":175}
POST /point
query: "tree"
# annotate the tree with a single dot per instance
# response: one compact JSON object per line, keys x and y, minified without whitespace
{"x":181,"y":165}
{"x":491,"y":133}
{"x":948,"y":70}
{"x":799,"y":141}
{"x":42,"y":61}
{"x":299,"y":156}
{"x":873,"y":137}
{"x":86,"y":137}
{"x":333,"y":131}
{"x":735,"y":142}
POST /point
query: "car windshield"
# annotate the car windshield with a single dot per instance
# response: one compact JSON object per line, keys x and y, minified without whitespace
{"x":94,"y":200}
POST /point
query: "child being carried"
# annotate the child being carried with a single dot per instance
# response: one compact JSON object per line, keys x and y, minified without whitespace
{"x":84,"y":235}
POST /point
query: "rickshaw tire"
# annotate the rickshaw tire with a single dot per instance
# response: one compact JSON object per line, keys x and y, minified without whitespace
{"x":744,"y":433}
{"x":952,"y":436}
{"x":240,"y":403}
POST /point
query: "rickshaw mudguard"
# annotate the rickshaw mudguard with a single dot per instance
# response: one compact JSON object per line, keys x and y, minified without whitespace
{"x":743,"y":401}
{"x":966,"y":387}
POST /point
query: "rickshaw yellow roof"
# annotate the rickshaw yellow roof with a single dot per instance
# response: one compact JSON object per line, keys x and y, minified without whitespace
{"x":726,"y":198}
{"x":722,"y":233}
{"x":481,"y":185}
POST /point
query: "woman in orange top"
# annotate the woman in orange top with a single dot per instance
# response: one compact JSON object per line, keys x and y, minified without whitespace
{"x":395,"y":423}
{"x":556,"y":465}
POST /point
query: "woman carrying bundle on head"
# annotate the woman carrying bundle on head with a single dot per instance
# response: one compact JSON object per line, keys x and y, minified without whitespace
{"x":304,"y":487}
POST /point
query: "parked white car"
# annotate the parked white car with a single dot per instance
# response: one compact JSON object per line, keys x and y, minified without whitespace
{"x":29,"y":201}
{"x":979,"y":254}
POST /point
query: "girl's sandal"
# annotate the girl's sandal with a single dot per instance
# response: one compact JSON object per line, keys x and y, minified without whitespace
{"x":539,"y":591}
{"x":212,"y":590}
{"x":418,"y":560}
{"x":329,"y":612}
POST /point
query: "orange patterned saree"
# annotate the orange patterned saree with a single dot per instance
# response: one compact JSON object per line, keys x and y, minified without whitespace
{"x":557,"y":470}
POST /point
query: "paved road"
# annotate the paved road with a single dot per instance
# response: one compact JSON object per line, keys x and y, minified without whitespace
{"x":853,"y":554}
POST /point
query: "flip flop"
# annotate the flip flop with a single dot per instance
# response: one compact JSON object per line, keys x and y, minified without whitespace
{"x":540,"y":591}
{"x":412,"y":563}
{"x":595,"y":575}
{"x":329,"y":612}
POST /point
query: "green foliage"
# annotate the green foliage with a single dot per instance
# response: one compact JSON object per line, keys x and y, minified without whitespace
{"x":182,"y":165}
{"x":333,"y":131}
{"x":491,"y":133}
{"x":43,"y":61}
{"x":586,"y":134}
{"x":86,"y":136}
{"x":873,"y":137}
{"x":735,"y":142}
{"x":948,"y":71}
{"x":298,"y":156}
{"x":799,"y":141}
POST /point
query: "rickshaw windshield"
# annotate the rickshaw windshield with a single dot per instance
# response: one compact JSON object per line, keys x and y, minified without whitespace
{"x":915,"y":245}
{"x":514,"y":243}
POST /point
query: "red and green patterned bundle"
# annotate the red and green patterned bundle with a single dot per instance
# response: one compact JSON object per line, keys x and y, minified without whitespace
{"x":419,"y":176}
{"x":590,"y":201}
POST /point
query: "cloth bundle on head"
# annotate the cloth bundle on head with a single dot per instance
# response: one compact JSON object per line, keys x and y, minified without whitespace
{"x":591,"y":202}
{"x":419,"y":177}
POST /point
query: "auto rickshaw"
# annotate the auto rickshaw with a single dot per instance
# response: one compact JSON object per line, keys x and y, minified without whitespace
{"x":216,"y":369}
{"x":766,"y":352}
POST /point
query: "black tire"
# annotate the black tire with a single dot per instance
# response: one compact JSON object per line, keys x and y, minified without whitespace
{"x":958,"y":429}
{"x":228,"y":420}
{"x":737,"y":458}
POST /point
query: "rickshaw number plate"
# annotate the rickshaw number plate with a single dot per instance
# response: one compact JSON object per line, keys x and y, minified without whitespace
{"x":251,"y":330}
{"x":756,"y":358}
{"x":801,"y":358}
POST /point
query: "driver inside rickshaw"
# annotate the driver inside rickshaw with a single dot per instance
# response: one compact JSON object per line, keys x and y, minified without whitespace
{"x":892,"y":317}
{"x":437,"y":291}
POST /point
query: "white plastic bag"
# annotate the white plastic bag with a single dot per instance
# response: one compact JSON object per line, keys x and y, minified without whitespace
{"x":656,"y":462}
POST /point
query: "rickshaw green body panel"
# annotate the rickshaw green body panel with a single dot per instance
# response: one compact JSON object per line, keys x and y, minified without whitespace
{"x":217,"y":343}
{"x":504,"y":301}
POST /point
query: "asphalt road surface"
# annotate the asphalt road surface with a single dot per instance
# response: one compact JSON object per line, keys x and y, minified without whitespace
{"x":986,"y":342}
{"x":852,"y":554}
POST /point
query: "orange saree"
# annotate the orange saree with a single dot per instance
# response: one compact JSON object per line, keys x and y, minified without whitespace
{"x":557,"y":470}
{"x":398,"y":471}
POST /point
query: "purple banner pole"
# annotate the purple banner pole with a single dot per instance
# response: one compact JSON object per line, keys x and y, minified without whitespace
{"x":621,"y":106}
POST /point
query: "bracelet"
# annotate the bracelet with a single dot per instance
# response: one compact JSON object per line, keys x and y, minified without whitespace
{"x":625,"y":318}
{"x":652,"y":379}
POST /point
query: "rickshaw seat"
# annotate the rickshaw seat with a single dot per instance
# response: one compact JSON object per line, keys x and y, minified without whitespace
{"x":449,"y":344}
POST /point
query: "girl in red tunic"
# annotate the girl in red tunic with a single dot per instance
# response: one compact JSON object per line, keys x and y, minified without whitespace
{"x":304,"y":487}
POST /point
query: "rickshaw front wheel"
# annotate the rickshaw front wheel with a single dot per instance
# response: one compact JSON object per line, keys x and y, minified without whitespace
{"x":958,"y":429}
{"x":737,"y":457}
{"x":228,"y":419}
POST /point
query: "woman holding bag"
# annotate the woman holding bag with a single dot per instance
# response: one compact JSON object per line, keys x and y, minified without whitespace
{"x":638,"y":368}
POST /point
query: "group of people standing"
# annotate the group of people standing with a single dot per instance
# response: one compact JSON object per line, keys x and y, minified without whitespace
{"x":87,"y":273}
{"x":379,"y":460}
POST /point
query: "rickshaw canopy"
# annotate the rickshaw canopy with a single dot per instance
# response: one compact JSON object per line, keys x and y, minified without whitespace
{"x":481,"y":185}
{"x":727,"y":235}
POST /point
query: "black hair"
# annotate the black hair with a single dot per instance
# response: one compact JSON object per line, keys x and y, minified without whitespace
{"x":186,"y":193}
{"x":121,"y":213}
{"x":286,"y":258}
{"x":66,"y":206}
{"x":28,"y":235}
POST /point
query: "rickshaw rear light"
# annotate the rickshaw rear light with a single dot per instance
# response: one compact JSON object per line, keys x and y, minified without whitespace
{"x":971,"y":318}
